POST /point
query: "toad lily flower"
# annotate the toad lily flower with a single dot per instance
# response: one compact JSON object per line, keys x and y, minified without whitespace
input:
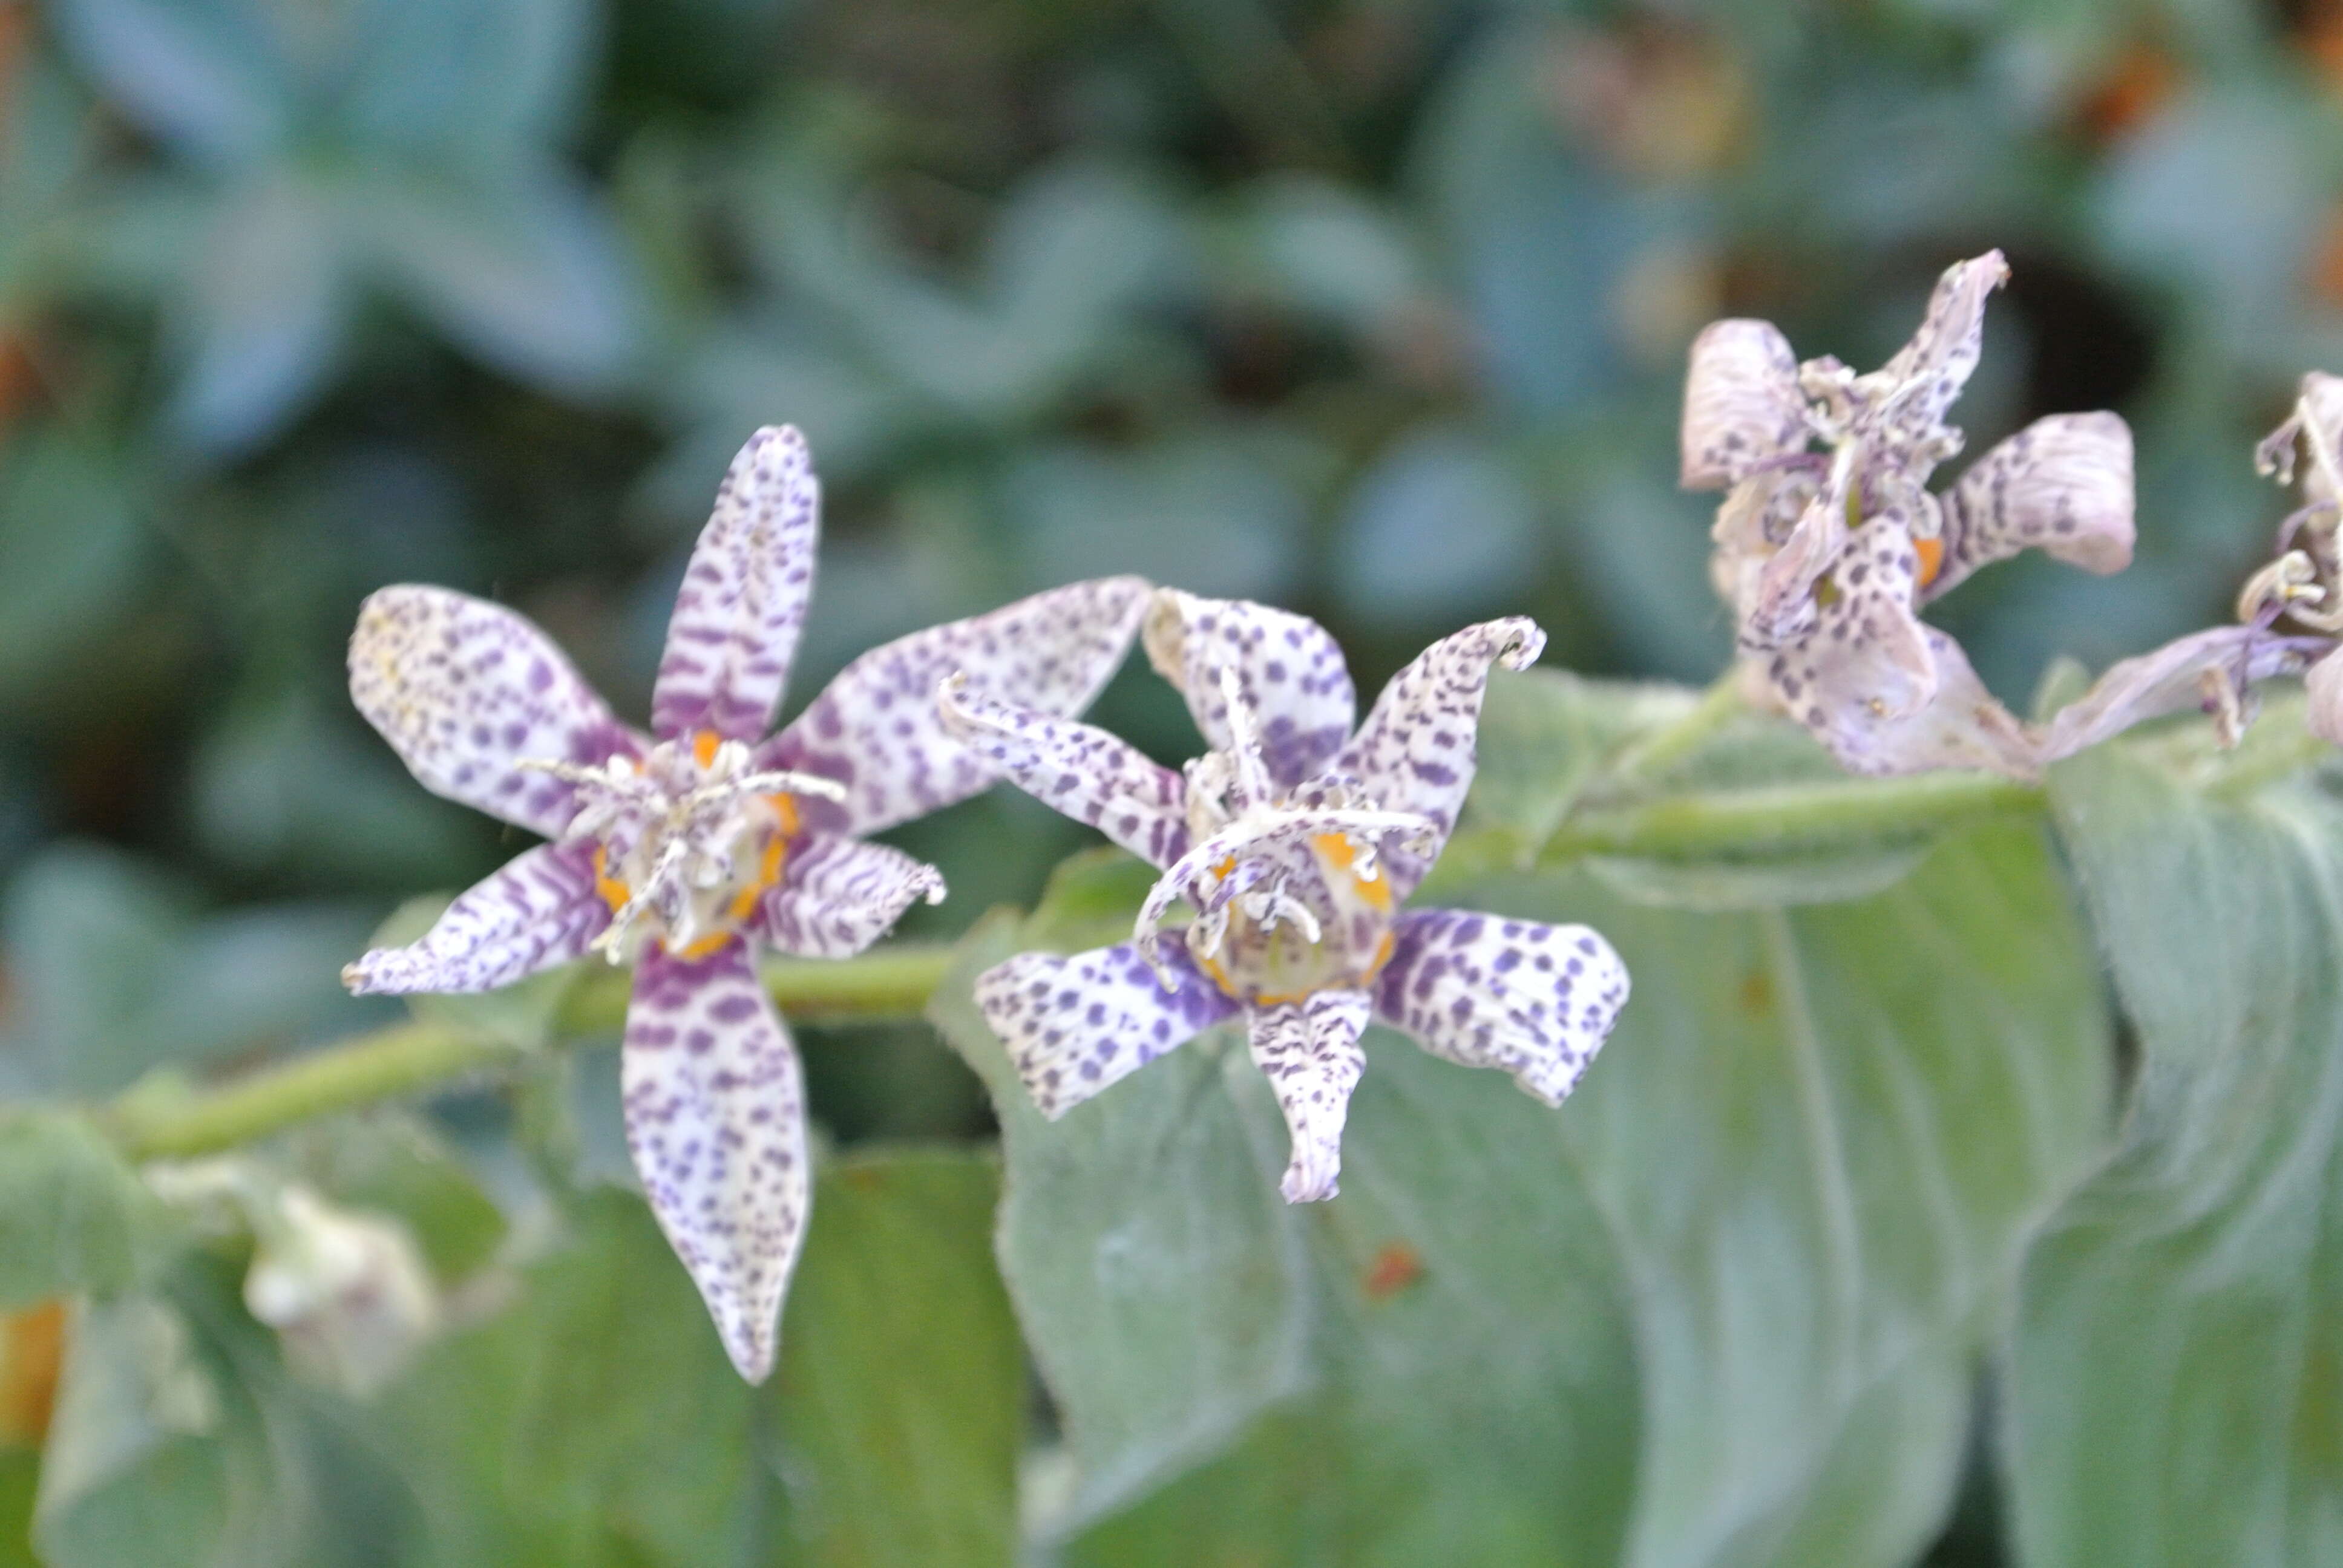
{"x":686,"y":849}
{"x":1828,"y":540}
{"x":2216,"y":670}
{"x":1295,"y":841}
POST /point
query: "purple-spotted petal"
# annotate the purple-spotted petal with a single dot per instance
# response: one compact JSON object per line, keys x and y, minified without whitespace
{"x":1741,"y":404}
{"x":876,"y":730}
{"x":467,"y":691}
{"x":1077,"y":770}
{"x":838,"y":896}
{"x":742,"y":603}
{"x":1288,"y":670}
{"x":540,"y":909}
{"x":1528,"y":999}
{"x":1779,"y":607}
{"x":2063,"y":484}
{"x":1309,"y":1051}
{"x":1073,"y":1025}
{"x":1927,"y":374}
{"x":2211,"y":671}
{"x":1416,"y":751}
{"x":1866,"y":657}
{"x":1959,"y":724}
{"x":715,"y":1109}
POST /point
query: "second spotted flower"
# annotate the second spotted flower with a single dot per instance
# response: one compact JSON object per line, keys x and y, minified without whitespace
{"x":1295,"y":841}
{"x":688,"y":849}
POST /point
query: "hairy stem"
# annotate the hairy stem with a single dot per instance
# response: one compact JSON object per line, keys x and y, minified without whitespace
{"x":408,"y":1058}
{"x":1661,"y":748}
{"x":1849,"y":812}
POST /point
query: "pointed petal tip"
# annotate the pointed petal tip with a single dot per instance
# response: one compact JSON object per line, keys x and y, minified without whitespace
{"x":1303,"y":1184}
{"x":2324,"y":684}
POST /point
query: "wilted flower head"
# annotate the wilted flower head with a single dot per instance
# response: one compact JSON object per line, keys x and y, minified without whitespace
{"x":687,"y":849}
{"x":1295,"y":841}
{"x":347,"y":1292}
{"x":1829,"y":540}
{"x":2216,"y":670}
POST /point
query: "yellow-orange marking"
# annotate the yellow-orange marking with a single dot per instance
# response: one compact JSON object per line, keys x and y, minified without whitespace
{"x":703,"y":745}
{"x":1931,"y":559}
{"x":614,"y":892}
{"x":1338,"y":852}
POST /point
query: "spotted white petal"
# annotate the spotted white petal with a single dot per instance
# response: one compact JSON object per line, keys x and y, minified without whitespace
{"x":1073,"y":1025}
{"x":1287,"y":669}
{"x":1075,"y":768}
{"x":1309,"y":1051}
{"x":466,"y":691}
{"x":838,"y":896}
{"x":875,"y":728}
{"x":1866,"y":657}
{"x":734,"y":632}
{"x":2063,"y":484}
{"x":2212,"y":671}
{"x":1959,"y":723}
{"x":539,"y":910}
{"x":1528,"y":999}
{"x":1416,"y":752}
{"x":1927,"y":373}
{"x":715,"y":1112}
{"x":1741,"y":404}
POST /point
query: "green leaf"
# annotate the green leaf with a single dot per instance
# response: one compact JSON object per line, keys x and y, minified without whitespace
{"x":1723,"y":1308}
{"x":261,"y":312}
{"x":1544,"y":733}
{"x":2177,"y":1362}
{"x":596,"y":1422}
{"x":76,"y":549}
{"x":178,"y":1439}
{"x":72,"y":1216}
{"x":1821,"y":1135}
{"x":203,"y":74}
{"x":117,"y":976}
{"x":902,"y":1389}
{"x":1159,"y":1277}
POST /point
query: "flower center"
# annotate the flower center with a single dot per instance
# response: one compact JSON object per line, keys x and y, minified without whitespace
{"x":1289,"y":899}
{"x":688,"y":840}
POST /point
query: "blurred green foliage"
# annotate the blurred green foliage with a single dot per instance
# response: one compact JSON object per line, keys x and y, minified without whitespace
{"x":1374,"y":308}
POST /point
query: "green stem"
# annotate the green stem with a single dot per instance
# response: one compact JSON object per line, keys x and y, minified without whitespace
{"x":1752,"y":822}
{"x":1671,"y":743}
{"x":404,"y":1058}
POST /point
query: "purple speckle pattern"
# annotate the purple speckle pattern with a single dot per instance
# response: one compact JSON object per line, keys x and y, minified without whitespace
{"x":1530,"y":999}
{"x":838,"y":896}
{"x":1416,"y":751}
{"x":1920,"y":384}
{"x":539,"y":910}
{"x":1074,"y":1025}
{"x":738,"y":616}
{"x":875,"y":728}
{"x":1309,"y":1052}
{"x":715,"y":1112}
{"x":1287,"y":667}
{"x":1742,"y":403}
{"x":1079,"y":770}
{"x":2063,"y":484}
{"x":466,"y":690}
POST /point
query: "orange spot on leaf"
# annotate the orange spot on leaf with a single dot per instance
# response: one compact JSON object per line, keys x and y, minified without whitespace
{"x":31,"y":1346}
{"x":1756,"y":993}
{"x":1397,"y":1266}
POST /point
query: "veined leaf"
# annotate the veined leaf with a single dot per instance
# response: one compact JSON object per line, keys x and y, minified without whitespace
{"x":2176,"y":1374}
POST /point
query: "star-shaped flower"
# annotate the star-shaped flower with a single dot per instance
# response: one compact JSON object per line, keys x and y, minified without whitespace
{"x":1828,"y":540}
{"x":1295,"y":841}
{"x":687,"y":849}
